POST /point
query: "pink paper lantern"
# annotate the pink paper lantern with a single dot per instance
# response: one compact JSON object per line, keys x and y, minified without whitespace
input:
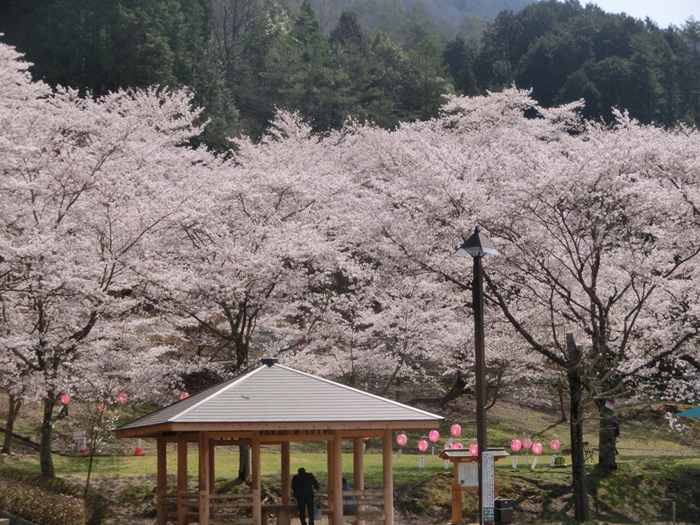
{"x":455,"y":430}
{"x":366,"y":438}
{"x":434,"y":436}
{"x":458,"y":445}
{"x":448,"y":446}
{"x":422,"y":445}
{"x":537,"y":448}
{"x":184,"y":395}
{"x":401,"y":439}
{"x":101,"y":407}
{"x":515,"y":445}
{"x":527,"y":443}
{"x":474,"y":449}
{"x":554,"y":445}
{"x":65,"y":399}
{"x":122,"y":397}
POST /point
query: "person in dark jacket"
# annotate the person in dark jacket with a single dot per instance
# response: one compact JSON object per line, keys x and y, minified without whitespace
{"x":349,"y":506}
{"x":303,"y":485}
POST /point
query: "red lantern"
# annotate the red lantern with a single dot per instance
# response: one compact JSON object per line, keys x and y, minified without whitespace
{"x":434,"y":436}
{"x":101,"y":407}
{"x":65,"y":399}
{"x":554,"y":445}
{"x":422,"y":445}
{"x":455,"y":430}
{"x":367,"y":438}
{"x":122,"y":397}
{"x":184,"y":395}
{"x":515,"y":445}
{"x":401,"y":439}
{"x":527,"y":443}
{"x":537,"y":449}
{"x":474,"y":449}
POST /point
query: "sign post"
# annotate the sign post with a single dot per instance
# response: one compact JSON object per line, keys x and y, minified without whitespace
{"x":488,"y":490}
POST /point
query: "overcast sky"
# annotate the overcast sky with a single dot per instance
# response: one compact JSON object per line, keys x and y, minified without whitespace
{"x":663,"y":12}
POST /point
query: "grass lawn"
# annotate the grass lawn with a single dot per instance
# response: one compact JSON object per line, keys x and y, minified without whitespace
{"x":658,"y":469}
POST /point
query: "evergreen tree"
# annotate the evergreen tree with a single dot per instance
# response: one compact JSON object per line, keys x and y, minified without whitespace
{"x":457,"y":58}
{"x":691,"y":32}
{"x":300,"y":66}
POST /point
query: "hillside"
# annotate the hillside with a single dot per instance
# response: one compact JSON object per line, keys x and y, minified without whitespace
{"x":657,"y":469}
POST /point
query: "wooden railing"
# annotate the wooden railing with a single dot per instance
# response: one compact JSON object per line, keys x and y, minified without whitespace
{"x":236,"y":509}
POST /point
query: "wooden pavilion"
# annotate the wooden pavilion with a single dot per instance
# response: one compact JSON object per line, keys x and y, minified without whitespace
{"x":273,"y":405}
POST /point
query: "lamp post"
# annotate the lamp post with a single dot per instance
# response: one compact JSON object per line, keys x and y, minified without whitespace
{"x":477,"y":246}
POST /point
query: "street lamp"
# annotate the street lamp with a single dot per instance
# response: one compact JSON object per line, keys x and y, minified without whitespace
{"x":477,"y":246}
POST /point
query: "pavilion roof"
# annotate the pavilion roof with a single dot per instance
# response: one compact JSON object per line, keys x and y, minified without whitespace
{"x":276,"y":394}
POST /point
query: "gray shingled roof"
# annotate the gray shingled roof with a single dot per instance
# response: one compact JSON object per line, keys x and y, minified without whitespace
{"x":278,"y":394}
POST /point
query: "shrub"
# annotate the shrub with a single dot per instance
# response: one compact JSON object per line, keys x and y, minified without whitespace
{"x":46,"y":501}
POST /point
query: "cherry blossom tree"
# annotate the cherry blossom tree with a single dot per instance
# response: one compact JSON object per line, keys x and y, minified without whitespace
{"x":86,"y":185}
{"x":597,"y":226}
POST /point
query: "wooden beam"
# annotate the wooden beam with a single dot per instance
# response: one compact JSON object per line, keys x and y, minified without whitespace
{"x":456,"y":496}
{"x":286,"y":475}
{"x":388,"y":478}
{"x":181,"y":481}
{"x":337,"y":480}
{"x":256,"y":483}
{"x":358,"y":470}
{"x":204,"y":488}
{"x":355,"y":427}
{"x":162,"y":482}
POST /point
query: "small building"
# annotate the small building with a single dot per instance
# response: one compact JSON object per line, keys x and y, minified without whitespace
{"x":273,"y":405}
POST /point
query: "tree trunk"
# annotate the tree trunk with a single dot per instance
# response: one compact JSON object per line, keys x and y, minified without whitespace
{"x":12,"y":413}
{"x":578,"y":464}
{"x":457,"y":389}
{"x":606,"y":438}
{"x":45,"y":459}
{"x":244,"y":462}
{"x":560,"y":391}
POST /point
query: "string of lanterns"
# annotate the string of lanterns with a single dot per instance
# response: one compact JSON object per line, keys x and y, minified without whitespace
{"x":456,"y":430}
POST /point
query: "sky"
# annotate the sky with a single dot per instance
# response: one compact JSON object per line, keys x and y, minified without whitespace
{"x":663,"y":12}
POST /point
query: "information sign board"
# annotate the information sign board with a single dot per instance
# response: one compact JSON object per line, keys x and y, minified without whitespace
{"x":489,"y":515}
{"x":468,"y":473}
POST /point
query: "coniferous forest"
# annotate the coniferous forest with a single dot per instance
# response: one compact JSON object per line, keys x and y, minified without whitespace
{"x":385,"y":61}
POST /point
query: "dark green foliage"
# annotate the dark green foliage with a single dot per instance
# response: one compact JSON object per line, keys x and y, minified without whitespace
{"x":385,"y":61}
{"x":458,"y":58}
{"x":565,"y":51}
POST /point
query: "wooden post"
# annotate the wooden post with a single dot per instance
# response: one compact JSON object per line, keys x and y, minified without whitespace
{"x":286,"y":475}
{"x":388,"y":477}
{"x":330,"y":465}
{"x":181,"y":481}
{"x":456,"y":496}
{"x":162,"y":483}
{"x":358,"y":470}
{"x":212,"y":472}
{"x":255,"y":475}
{"x":337,"y":479}
{"x":204,"y":488}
